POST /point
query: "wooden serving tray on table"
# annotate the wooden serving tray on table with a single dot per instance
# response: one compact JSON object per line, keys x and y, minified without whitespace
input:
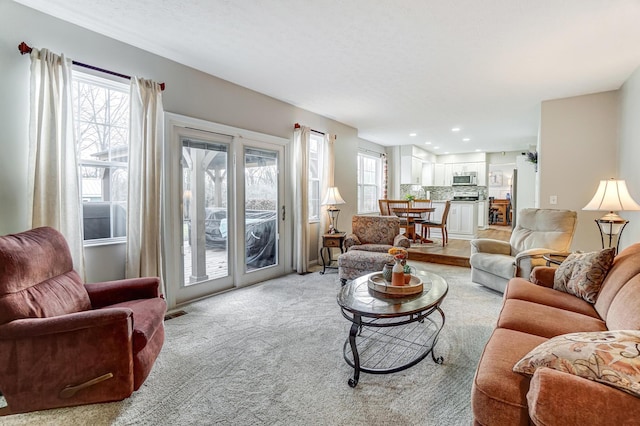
{"x":378,"y":284}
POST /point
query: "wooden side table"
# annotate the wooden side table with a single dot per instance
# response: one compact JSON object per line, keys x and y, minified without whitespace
{"x":330,"y":241}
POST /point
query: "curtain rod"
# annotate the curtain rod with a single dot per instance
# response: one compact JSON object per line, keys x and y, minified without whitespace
{"x":24,"y":48}
{"x":297,"y":126}
{"x":369,"y":151}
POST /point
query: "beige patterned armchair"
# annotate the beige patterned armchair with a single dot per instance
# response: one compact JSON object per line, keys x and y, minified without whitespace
{"x":367,"y":245}
{"x":375,"y":233}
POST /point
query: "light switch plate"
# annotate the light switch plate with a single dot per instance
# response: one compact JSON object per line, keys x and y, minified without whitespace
{"x":553,"y":199}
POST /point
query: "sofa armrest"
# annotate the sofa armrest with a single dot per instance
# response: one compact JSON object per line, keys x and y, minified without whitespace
{"x":112,"y":292}
{"x":351,"y":240}
{"x":34,"y":327}
{"x":488,"y":245}
{"x":543,"y":276}
{"x":401,"y":240}
{"x":590,"y":402}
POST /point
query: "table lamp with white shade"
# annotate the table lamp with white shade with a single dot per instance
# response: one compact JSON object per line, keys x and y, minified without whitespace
{"x":331,"y":200}
{"x":613,"y":196}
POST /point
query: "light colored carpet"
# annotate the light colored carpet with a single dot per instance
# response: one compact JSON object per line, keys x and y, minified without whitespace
{"x":272,"y":354}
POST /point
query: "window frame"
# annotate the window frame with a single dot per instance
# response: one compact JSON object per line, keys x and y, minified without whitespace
{"x":114,"y":84}
{"x":360,"y":181}
{"x":317,"y":181}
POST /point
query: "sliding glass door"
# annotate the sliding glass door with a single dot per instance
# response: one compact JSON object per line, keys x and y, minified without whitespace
{"x":226,"y":215}
{"x":206,"y":208}
{"x":262,"y":211}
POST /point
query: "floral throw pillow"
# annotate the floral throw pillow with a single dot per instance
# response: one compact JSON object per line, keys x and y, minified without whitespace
{"x":582,"y":274}
{"x":608,"y":357}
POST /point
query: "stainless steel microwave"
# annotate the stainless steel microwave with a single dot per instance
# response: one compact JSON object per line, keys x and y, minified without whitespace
{"x":470,"y":179}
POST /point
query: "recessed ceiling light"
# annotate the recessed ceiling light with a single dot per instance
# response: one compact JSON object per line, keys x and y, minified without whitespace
{"x":413,"y":134}
{"x":436,"y":147}
{"x":427,"y":143}
{"x":478,"y":150}
{"x":455,"y":129}
{"x":466,"y":139}
{"x":446,"y":152}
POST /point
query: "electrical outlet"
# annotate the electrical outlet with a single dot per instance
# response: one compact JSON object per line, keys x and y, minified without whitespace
{"x":553,"y":199}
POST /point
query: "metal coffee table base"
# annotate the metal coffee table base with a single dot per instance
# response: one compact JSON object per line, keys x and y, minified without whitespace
{"x":388,"y":345}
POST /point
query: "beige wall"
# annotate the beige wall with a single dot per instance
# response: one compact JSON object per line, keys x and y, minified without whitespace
{"x":629,"y":157}
{"x":578,"y":148}
{"x":189,"y":92}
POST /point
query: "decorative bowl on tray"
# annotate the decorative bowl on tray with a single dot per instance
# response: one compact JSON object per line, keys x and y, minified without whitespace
{"x":377,"y":283}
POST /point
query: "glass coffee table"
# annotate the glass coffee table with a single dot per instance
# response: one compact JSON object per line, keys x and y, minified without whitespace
{"x":390,"y":334}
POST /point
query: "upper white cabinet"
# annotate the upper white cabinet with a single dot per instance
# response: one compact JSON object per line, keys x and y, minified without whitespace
{"x":427,"y":174}
{"x":411,"y":170}
{"x":482,"y":174}
{"x":443,"y":173}
{"x":438,"y":175}
{"x":416,"y":166}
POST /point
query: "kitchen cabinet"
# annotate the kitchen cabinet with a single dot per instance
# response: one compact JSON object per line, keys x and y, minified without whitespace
{"x":462,"y":223}
{"x":438,"y":175}
{"x":482,"y":174}
{"x":427,"y":174}
{"x":482,"y":215}
{"x":448,"y":174}
{"x":443,"y":172}
{"x":410,"y":170}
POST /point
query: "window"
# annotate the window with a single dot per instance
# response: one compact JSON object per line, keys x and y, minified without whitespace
{"x":101,"y":112}
{"x":369,"y":182}
{"x":315,"y":169}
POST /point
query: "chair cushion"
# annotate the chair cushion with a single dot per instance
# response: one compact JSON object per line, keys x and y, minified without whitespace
{"x":37,"y":279}
{"x":519,"y":288}
{"x":498,"y":264}
{"x":582,"y":274}
{"x":545,"y":321}
{"x":375,"y":229}
{"x":148,"y":315}
{"x":548,"y":228}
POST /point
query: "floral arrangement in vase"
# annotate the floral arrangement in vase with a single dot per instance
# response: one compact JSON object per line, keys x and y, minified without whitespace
{"x":398,"y":253}
{"x":397,"y":273}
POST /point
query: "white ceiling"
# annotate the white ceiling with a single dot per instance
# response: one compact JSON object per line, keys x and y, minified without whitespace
{"x":391,"y":67}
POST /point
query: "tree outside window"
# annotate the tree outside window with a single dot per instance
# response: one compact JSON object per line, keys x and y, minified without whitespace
{"x":101,"y":112}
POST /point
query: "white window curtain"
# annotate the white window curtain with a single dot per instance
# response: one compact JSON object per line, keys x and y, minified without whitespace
{"x":53,"y":165}
{"x":300,"y":181}
{"x":327,"y":181}
{"x":144,"y":233}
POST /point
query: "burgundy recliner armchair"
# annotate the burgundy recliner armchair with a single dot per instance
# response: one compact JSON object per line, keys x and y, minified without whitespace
{"x":62,"y":342}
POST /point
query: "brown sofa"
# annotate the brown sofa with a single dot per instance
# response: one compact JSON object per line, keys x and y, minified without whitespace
{"x":63,"y":343}
{"x":532,"y":314}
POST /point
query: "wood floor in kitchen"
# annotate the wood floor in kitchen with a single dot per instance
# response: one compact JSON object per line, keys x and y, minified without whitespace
{"x":456,"y":252}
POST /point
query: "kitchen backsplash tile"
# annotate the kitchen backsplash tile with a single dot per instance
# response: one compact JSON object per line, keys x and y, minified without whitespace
{"x":440,"y":193}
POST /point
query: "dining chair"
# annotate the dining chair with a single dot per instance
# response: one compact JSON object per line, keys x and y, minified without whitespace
{"x":425,"y":217}
{"x":384,"y":207}
{"x":442,"y":225}
{"x":400,"y":208}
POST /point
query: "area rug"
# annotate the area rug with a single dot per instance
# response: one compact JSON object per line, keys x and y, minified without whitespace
{"x":271,"y":354}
